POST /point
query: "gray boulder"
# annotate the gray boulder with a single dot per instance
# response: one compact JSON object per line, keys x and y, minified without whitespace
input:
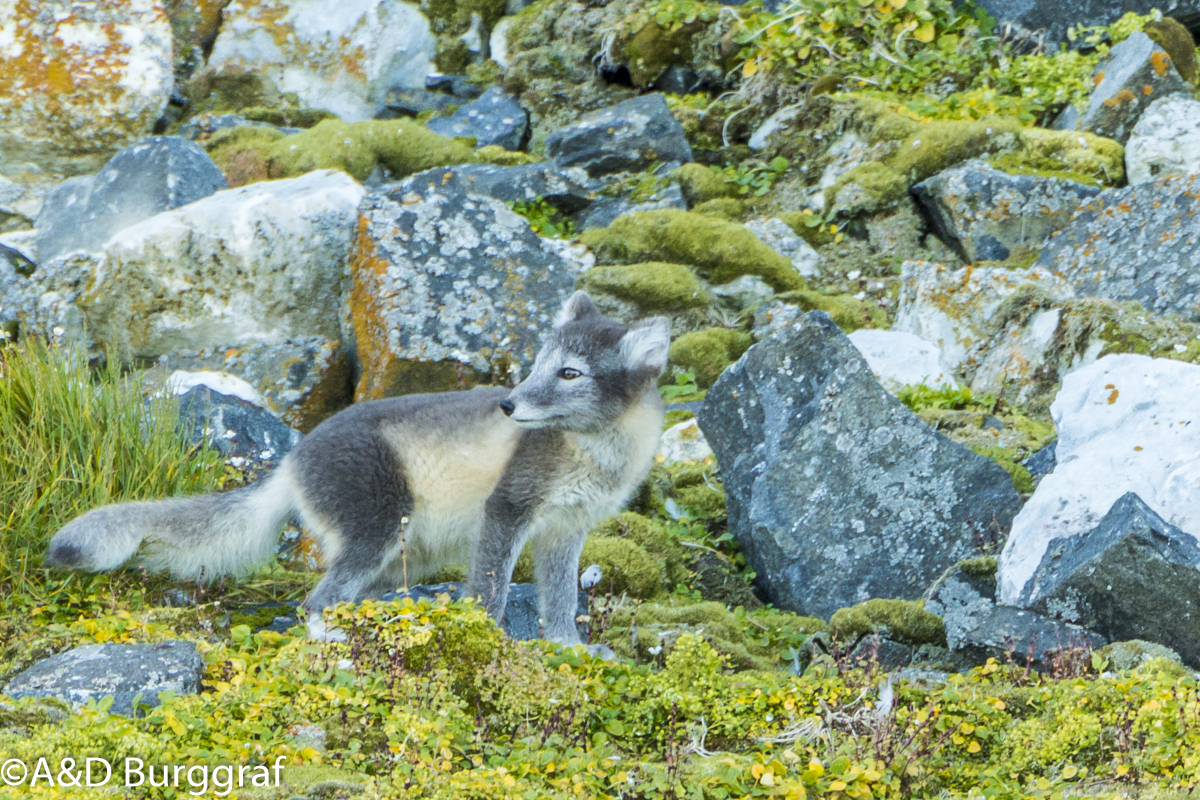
{"x":568,"y":190}
{"x":450,"y":290}
{"x":1026,"y":637}
{"x":1135,"y":576}
{"x":836,"y":491}
{"x":986,"y":214}
{"x":411,"y":102}
{"x":247,"y":435}
{"x":156,"y":174}
{"x":495,"y":118}
{"x":1139,"y":243}
{"x":123,"y":671}
{"x":604,"y":210}
{"x":1049,"y":20}
{"x":520,"y":615}
{"x":629,"y":136}
{"x":964,"y":601}
{"x":1136,"y":73}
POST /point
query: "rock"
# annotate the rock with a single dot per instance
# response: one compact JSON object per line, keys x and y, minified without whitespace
{"x":411,"y":102}
{"x":985,"y":214}
{"x":1133,"y":576}
{"x":205,"y":125}
{"x":683,"y":443}
{"x":603,"y":210}
{"x":964,"y":601}
{"x":458,"y":85}
{"x":1136,"y":73}
{"x":1165,"y":141}
{"x":19,"y":204}
{"x":1126,"y":423}
{"x":1026,"y":637}
{"x":1140,"y":243}
{"x":882,"y":652}
{"x":521,"y":617}
{"x":1048,"y":21}
{"x":248,"y":436}
{"x":677,"y":80}
{"x":776,"y":122}
{"x":568,"y":190}
{"x":836,"y":491}
{"x":156,"y":174}
{"x":776,"y":234}
{"x":80,"y":80}
{"x":629,"y":136}
{"x":1124,"y":656}
{"x":1043,"y":461}
{"x":495,"y":118}
{"x":333,"y":56}
{"x":901,"y":359}
{"x":449,"y":290}
{"x":262,"y":263}
{"x":124,"y":671}
{"x":746,"y":292}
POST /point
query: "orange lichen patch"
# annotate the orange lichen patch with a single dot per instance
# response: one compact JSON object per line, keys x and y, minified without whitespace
{"x":1147,"y":90}
{"x":1123,"y":96}
{"x":1160,"y":61}
{"x":1098,"y":78}
{"x":367,"y":273}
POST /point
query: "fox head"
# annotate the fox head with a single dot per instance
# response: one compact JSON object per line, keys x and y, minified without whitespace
{"x":590,"y":371}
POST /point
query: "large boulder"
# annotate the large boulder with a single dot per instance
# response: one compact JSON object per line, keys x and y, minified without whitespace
{"x":1140,"y":243}
{"x":1050,"y":20}
{"x":156,"y":174}
{"x":263,"y":263}
{"x":338,"y":57}
{"x":568,"y":190}
{"x":1136,"y":73}
{"x":986,"y":214}
{"x":1165,"y":141}
{"x":495,"y":118}
{"x":1133,"y":576}
{"x":836,"y":491}
{"x":79,"y":80}
{"x":629,"y":136}
{"x":1126,"y":423}
{"x":899,"y":359}
{"x":1028,"y":638}
{"x":449,"y":290}
{"x":127,"y":672}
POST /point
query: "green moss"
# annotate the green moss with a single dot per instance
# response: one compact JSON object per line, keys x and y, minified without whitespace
{"x":1071,"y":155}
{"x":939,"y":145}
{"x":720,"y":251}
{"x":1018,"y":307}
{"x":400,"y":145}
{"x":654,"y":48}
{"x":1118,"y":340}
{"x":1174,"y":37}
{"x":230,"y":90}
{"x":495,"y":154}
{"x":809,"y":227}
{"x":906,"y":620}
{"x":625,"y":566}
{"x":728,"y":208}
{"x":701,"y":184}
{"x":866,"y":188}
{"x":1009,"y":459}
{"x":708,"y":352}
{"x":287,"y":116}
{"x":983,"y":567}
{"x":243,"y":153}
{"x":652,"y":287}
{"x":846,"y":310}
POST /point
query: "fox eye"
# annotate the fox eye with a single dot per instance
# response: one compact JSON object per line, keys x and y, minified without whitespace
{"x":569,"y":373}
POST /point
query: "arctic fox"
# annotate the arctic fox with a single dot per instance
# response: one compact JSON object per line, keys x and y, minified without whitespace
{"x":472,"y":474}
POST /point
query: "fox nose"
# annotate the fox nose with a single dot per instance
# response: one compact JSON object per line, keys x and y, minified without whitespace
{"x":507,"y":406}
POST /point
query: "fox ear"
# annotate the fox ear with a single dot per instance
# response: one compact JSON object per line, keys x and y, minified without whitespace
{"x":577,"y":307}
{"x":646,"y":345}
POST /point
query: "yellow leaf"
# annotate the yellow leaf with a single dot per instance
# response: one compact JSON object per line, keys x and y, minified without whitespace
{"x":1069,"y":772}
{"x":815,"y":767}
{"x":749,"y":68}
{"x":899,"y":4}
{"x":871,"y":775}
{"x":757,"y":771}
{"x":837,"y":786}
{"x":973,"y":747}
{"x":925,"y":33}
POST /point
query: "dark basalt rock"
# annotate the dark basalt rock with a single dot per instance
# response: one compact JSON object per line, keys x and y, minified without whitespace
{"x":1024,"y":636}
{"x":235,"y":428}
{"x":495,"y":118}
{"x":1048,"y":20}
{"x":629,"y":136}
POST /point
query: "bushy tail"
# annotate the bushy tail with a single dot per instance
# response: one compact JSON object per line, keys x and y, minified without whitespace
{"x":192,"y":537}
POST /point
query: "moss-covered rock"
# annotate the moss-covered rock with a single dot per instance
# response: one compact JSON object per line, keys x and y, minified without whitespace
{"x":700,"y":183}
{"x":450,"y":19}
{"x":808,"y":226}
{"x":653,"y":286}
{"x":625,"y":566}
{"x":728,"y":208}
{"x":868,"y":187}
{"x":655,"y":47}
{"x":707,"y":353}
{"x":1174,"y":37}
{"x":849,"y":312}
{"x":906,"y":620}
{"x":1072,"y":155}
{"x":1010,"y":460}
{"x":720,"y":251}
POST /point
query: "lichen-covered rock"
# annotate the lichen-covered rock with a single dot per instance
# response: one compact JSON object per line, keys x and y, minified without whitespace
{"x":495,"y":118}
{"x":1136,"y":73}
{"x":683,"y":443}
{"x":986,"y":214}
{"x":1141,"y":243}
{"x":568,"y":190}
{"x":263,"y":263}
{"x":124,"y":671}
{"x":900,"y":359}
{"x":1133,"y":576}
{"x":248,"y":436}
{"x":963,"y":599}
{"x":1025,"y":636}
{"x":156,"y":174}
{"x":605,"y":210}
{"x":19,"y":204}
{"x":776,"y":234}
{"x":1165,"y":141}
{"x":79,"y":80}
{"x":836,"y":491}
{"x":1049,"y":21}
{"x":629,"y":136}
{"x":338,"y":57}
{"x":449,"y":290}
{"x":1126,"y":423}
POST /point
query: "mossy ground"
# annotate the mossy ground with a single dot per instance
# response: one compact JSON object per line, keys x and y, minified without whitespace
{"x":707,"y":353}
{"x":652,"y":286}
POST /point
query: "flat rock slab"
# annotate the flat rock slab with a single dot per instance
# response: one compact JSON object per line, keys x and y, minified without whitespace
{"x":520,"y":616}
{"x":124,"y":671}
{"x":629,"y":136}
{"x":837,"y":492}
{"x":568,"y":190}
{"x":1134,"y":576}
{"x":495,"y":118}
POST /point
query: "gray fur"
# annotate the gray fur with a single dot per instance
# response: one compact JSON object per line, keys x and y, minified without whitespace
{"x":473,"y":476}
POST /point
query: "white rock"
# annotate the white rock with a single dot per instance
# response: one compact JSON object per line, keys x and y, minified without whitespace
{"x":498,"y":42}
{"x":901,"y":359}
{"x":1127,"y":423}
{"x":1165,"y":141}
{"x":339,"y":55}
{"x":182,"y":381}
{"x":773,"y":123}
{"x":682,"y":443}
{"x":776,"y":234}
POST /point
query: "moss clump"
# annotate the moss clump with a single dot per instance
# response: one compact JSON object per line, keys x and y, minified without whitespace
{"x":707,"y":353}
{"x":1009,"y":460}
{"x":654,"y":538}
{"x":906,"y":620}
{"x":846,"y":310}
{"x":243,"y":153}
{"x":230,"y":90}
{"x":652,"y":287}
{"x":939,"y":145}
{"x":720,"y":251}
{"x":866,"y":188}
{"x":495,"y":154}
{"x":983,"y":568}
{"x":1070,"y":155}
{"x":728,"y":208}
{"x":701,"y":184}
{"x":654,"y":48}
{"x":1174,"y":37}
{"x":809,"y":227}
{"x":625,"y":566}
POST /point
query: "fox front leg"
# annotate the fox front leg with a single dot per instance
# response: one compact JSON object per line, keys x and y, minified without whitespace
{"x":504,"y":530}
